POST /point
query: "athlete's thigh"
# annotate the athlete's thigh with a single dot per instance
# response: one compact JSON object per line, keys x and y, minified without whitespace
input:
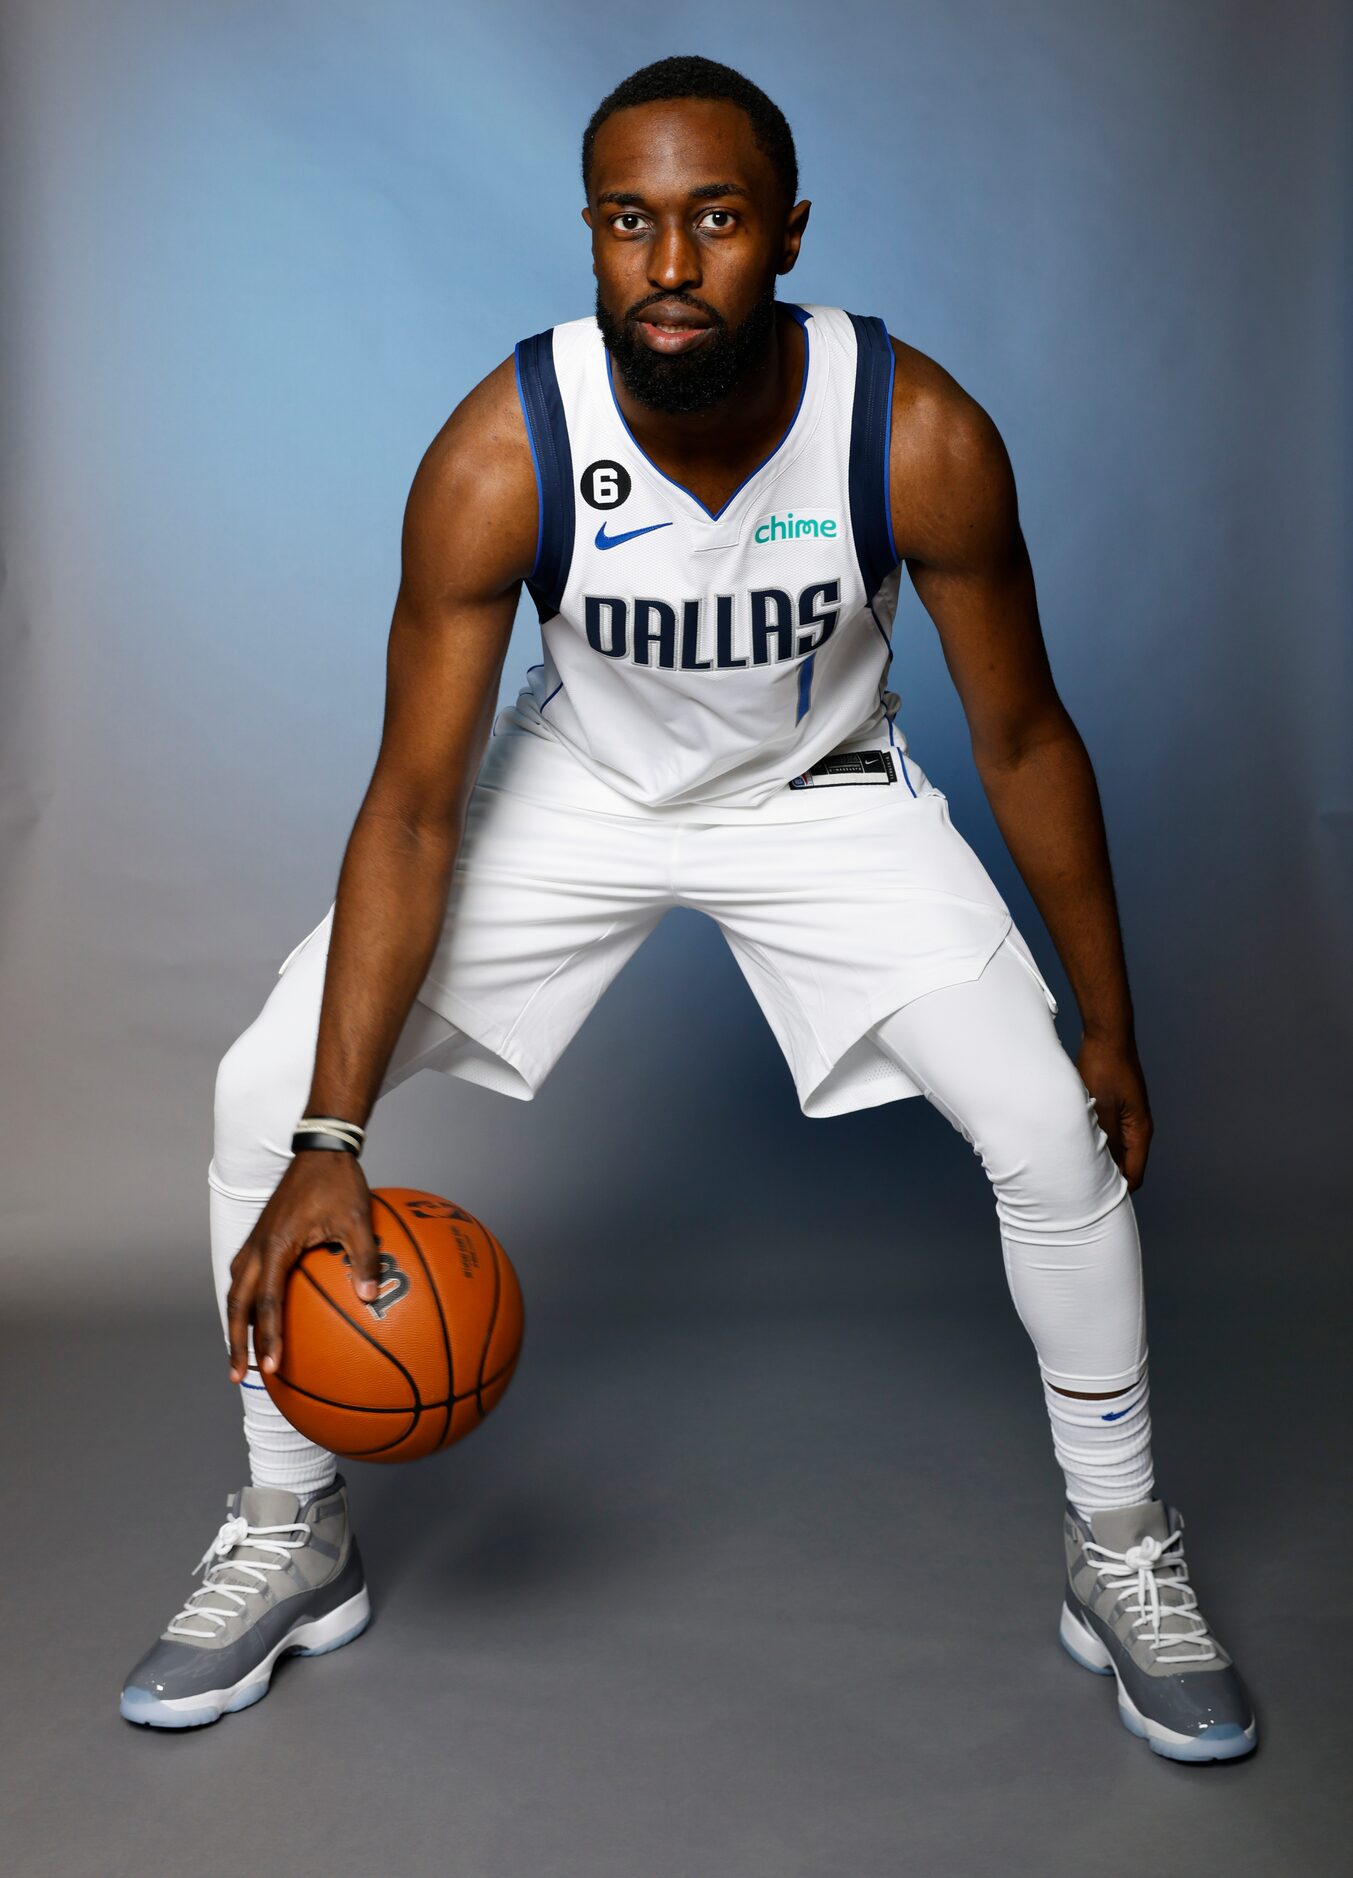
{"x":265,"y":1076}
{"x":546,"y":904}
{"x":837,"y":922}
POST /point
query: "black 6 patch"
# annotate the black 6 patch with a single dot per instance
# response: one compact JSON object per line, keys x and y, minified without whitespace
{"x":604,"y":484}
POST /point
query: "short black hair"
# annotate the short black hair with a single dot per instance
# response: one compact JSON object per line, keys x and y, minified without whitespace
{"x":694,"y":77}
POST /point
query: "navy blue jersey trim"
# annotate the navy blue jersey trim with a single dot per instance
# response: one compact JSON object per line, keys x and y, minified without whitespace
{"x":547,"y":431}
{"x":871,"y":429}
{"x":535,"y":460}
{"x":888,"y":455}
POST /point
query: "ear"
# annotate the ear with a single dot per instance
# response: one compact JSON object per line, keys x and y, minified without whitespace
{"x":795,"y":223}
{"x":587,"y":217}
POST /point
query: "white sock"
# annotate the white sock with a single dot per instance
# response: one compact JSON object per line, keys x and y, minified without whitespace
{"x":278,"y":1455}
{"x":1103,"y":1446}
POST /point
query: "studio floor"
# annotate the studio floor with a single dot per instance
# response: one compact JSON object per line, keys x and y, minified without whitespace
{"x":769,"y":1597}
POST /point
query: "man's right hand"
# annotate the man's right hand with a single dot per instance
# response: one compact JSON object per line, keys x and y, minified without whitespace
{"x":322,"y":1199}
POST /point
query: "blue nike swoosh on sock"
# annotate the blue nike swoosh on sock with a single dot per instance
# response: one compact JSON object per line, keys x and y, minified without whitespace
{"x":1115,"y":1415}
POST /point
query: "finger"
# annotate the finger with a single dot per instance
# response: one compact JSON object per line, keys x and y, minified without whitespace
{"x":268,"y":1309}
{"x":1137,"y":1145}
{"x":364,"y":1257}
{"x":239,"y":1299}
{"x":1111,"y":1121}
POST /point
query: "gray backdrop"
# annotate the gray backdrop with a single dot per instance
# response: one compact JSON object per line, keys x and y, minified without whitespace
{"x":252,"y":256}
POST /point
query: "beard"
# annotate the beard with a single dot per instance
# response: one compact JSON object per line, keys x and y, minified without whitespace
{"x":683,"y":383}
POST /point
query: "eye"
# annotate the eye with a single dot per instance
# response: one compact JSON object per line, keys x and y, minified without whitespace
{"x":725,"y":219}
{"x":628,"y":222}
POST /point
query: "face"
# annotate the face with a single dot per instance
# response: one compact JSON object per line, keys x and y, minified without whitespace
{"x":689,"y":231}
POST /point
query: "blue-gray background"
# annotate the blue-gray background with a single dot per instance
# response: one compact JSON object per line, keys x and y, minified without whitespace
{"x":253,"y":256}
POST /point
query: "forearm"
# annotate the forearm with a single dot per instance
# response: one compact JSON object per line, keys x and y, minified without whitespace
{"x":1047,"y":806}
{"x":388,"y":915}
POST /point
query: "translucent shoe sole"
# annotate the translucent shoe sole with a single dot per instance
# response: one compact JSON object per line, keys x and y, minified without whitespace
{"x":1228,"y":1742}
{"x":315,"y":1638}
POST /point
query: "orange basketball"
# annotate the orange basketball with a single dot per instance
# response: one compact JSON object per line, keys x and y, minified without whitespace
{"x":420,"y":1366}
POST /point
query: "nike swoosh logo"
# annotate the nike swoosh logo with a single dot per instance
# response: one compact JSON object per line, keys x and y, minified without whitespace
{"x":1116,"y":1415}
{"x":614,"y":541}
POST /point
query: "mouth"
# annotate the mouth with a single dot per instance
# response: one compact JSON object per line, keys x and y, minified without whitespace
{"x":672,"y":329}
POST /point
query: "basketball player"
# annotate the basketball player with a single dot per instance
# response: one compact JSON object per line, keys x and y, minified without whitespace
{"x":710,"y":495}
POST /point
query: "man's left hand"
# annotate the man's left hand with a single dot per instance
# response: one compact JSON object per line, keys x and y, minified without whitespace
{"x":1113,"y":1075}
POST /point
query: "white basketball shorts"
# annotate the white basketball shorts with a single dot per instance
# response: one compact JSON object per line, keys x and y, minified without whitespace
{"x":840,"y":907}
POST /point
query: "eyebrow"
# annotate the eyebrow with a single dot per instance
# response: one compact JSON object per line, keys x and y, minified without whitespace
{"x":703,"y":192}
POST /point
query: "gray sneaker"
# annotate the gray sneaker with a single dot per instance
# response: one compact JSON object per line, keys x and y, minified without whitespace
{"x":281,"y":1575}
{"x":1131,"y":1610}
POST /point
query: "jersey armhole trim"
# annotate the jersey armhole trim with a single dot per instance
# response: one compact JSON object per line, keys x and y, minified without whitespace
{"x":552,"y":460}
{"x":535,"y":457}
{"x":888,"y":448}
{"x":870,"y":475}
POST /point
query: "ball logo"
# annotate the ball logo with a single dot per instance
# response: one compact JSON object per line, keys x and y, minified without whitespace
{"x":392,"y":1284}
{"x":605,"y":485}
{"x":434,"y":1208}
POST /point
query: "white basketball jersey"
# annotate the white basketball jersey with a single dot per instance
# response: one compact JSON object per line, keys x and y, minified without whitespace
{"x":694,"y":657}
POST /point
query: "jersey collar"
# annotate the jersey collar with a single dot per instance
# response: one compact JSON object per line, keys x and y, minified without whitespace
{"x":797,"y":431}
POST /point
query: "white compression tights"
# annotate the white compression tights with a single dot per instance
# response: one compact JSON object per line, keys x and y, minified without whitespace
{"x":987,"y":1056}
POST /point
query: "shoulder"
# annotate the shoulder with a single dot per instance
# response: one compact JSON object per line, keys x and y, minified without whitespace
{"x":481,"y":451}
{"x":951,"y":480}
{"x":474,"y":489}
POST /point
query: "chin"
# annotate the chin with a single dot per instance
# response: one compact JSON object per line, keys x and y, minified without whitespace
{"x":685,"y":384}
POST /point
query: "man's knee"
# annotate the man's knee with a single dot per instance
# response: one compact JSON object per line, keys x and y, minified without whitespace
{"x":258,"y":1101}
{"x":1045,"y":1153}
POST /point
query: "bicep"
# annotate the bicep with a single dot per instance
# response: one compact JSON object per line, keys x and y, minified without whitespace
{"x":468,"y":540}
{"x":966,"y":555}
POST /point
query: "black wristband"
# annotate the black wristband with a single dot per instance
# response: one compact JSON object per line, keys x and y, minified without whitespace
{"x":306,"y":1138}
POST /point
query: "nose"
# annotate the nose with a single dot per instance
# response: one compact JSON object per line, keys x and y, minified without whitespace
{"x":674,"y":258}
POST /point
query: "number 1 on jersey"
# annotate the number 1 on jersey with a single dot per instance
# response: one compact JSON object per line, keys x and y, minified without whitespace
{"x":805,"y":686}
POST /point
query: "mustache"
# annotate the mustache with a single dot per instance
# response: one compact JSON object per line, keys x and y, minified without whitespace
{"x":679,"y":299}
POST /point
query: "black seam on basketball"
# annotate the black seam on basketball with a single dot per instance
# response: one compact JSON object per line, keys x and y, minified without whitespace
{"x":357,"y":1408}
{"x":489,"y":1381}
{"x":379,"y":1199}
{"x":384,"y":1447}
{"x":495,"y":1248}
{"x":363,"y":1408}
{"x":509,"y":1277}
{"x":361,"y":1332}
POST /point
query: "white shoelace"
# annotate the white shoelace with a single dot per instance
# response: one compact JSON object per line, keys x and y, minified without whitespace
{"x":216,"y":1561}
{"x":1150,"y":1568}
